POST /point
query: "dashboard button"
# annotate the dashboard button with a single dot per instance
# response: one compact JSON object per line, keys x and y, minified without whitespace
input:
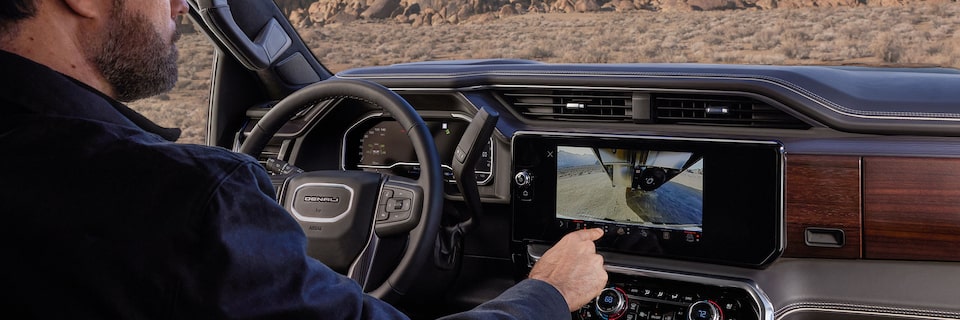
{"x":643,"y":315}
{"x":673,"y":296}
{"x":523,"y":178}
{"x":660,"y":294}
{"x":729,"y":305}
{"x":482,"y":176}
{"x":525,"y":194}
{"x":647,"y":292}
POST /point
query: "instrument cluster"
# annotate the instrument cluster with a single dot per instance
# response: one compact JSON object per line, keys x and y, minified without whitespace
{"x":382,"y":145}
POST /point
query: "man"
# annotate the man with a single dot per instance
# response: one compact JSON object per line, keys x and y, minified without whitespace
{"x":106,"y":218}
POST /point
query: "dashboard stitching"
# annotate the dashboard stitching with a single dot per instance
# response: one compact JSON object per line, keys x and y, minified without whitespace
{"x":865,"y":308}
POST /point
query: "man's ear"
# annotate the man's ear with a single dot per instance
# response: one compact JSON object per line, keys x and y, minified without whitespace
{"x":90,"y":8}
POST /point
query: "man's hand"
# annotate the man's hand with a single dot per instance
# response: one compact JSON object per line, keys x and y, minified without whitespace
{"x":573,"y":267}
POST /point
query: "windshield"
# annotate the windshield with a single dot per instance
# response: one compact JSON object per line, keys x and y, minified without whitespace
{"x":348,"y":36}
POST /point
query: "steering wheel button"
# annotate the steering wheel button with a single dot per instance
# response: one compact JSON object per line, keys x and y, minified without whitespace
{"x":399,"y":216}
{"x":382,"y":214}
{"x":398,"y":205}
{"x":402,"y":193}
{"x":393,"y":205}
{"x":460,"y":155}
{"x":386,"y":194}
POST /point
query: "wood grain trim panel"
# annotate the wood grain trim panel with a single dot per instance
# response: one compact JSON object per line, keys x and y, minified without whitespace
{"x":912,"y":208}
{"x":824,"y":192}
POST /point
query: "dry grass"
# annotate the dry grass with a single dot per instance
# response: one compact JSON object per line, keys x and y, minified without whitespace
{"x":861,"y":35}
{"x":918,"y":35}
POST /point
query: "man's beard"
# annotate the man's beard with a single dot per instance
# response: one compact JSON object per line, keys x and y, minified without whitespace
{"x":134,"y":58}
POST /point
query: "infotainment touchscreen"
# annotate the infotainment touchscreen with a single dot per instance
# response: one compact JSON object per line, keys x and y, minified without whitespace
{"x":700,"y":199}
{"x":662,"y":189}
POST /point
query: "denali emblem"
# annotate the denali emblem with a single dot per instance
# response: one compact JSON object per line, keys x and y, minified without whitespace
{"x":321,"y":199}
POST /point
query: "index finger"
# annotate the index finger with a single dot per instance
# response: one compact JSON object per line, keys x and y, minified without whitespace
{"x":588,"y":234}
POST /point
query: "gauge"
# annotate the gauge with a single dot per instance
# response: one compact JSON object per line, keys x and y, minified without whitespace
{"x":386,"y":146}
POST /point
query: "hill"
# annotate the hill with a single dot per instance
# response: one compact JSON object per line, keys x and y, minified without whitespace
{"x":433,"y":12}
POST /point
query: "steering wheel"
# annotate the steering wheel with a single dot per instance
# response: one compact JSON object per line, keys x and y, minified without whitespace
{"x":344,"y":214}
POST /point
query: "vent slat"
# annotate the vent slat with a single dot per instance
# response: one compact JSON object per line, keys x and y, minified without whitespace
{"x":769,"y":112}
{"x":564,"y":106}
{"x":574,"y":96}
{"x":572,"y":115}
{"x":721,"y":120}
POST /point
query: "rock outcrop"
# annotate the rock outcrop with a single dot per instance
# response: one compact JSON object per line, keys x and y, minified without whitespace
{"x":433,"y":12}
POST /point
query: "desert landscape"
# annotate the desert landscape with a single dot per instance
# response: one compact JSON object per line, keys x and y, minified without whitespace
{"x":905,"y":33}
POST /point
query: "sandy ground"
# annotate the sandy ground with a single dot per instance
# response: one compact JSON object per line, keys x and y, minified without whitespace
{"x":586,"y":193}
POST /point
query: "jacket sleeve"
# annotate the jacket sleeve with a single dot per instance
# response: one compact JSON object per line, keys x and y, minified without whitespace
{"x":529,"y":300}
{"x":258,"y":263}
{"x":260,"y":267}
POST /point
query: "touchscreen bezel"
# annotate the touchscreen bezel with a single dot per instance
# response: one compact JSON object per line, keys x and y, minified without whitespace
{"x":742,"y":221}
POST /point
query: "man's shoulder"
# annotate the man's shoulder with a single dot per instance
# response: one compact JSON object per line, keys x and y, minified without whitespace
{"x":111,"y":149}
{"x":189,"y":160}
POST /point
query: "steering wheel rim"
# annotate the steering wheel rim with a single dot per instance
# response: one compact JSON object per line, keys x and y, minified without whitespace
{"x":419,"y":250}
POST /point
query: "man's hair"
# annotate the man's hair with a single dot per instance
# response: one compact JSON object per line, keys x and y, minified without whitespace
{"x":12,"y":11}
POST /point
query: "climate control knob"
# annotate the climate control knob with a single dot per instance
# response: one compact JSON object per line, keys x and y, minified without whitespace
{"x":704,"y":310}
{"x":611,"y":303}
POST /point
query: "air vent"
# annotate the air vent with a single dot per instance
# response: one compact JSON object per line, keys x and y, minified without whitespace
{"x":721,"y":110}
{"x":602,"y":106}
{"x":643,"y":107}
{"x":274,"y":150}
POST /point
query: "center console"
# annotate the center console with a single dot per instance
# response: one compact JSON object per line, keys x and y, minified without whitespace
{"x":636,"y":295}
{"x":706,"y":200}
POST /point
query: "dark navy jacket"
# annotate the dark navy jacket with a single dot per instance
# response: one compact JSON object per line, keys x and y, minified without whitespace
{"x":103,"y":217}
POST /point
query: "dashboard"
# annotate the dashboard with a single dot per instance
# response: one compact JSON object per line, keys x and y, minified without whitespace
{"x":725,"y":192}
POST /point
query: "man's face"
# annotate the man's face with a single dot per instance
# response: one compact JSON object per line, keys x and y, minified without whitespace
{"x":136,"y":52}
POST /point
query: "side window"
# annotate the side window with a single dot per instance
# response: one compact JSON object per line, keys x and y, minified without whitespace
{"x":185,"y":106}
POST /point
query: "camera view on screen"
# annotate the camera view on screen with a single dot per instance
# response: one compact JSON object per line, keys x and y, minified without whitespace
{"x":642,"y":187}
